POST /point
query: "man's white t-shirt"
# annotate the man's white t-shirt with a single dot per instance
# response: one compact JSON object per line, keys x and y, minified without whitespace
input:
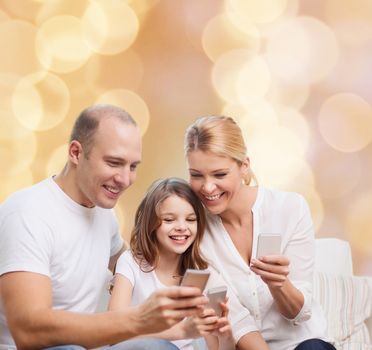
{"x":42,"y":230}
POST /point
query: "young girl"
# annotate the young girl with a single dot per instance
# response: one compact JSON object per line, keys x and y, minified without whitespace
{"x":169,"y":226}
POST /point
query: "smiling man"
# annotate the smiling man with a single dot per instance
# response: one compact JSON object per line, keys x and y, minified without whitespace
{"x":58,"y":237}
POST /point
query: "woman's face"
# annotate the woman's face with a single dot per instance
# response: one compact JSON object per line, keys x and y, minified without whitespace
{"x":215,"y":179}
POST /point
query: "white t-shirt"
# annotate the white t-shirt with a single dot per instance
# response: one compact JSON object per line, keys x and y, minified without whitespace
{"x":144,"y":284}
{"x":43,"y":230}
{"x":281,"y":213}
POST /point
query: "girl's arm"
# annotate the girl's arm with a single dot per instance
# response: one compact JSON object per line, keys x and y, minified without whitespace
{"x":121,"y":294}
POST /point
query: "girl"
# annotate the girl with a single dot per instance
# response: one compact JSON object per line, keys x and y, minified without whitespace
{"x":276,"y":289}
{"x":169,"y":226}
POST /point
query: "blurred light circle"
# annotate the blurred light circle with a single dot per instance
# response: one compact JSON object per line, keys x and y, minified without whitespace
{"x":359,"y":222}
{"x":351,"y":20}
{"x":60,"y":45}
{"x":113,"y":72}
{"x":23,"y":10}
{"x":294,"y":121}
{"x":302,"y":50}
{"x":276,"y":155}
{"x":252,"y":117}
{"x":220,"y":36}
{"x":287,"y":94}
{"x":17,"y":181}
{"x":225,"y":73}
{"x":57,"y":160}
{"x":3,"y":16}
{"x":262,"y":11}
{"x":109,"y":26}
{"x":40,"y":102}
{"x":18,"y":154}
{"x":337,"y":173}
{"x":10,"y":129}
{"x":130,"y":102}
{"x":253,"y":81}
{"x":18,"y":54}
{"x":345,"y":122}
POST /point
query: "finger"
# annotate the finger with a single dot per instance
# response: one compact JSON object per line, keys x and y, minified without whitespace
{"x":176,"y":292}
{"x":269,"y":275}
{"x":208,"y":312}
{"x":278,"y":269}
{"x":275,"y":259}
{"x":186,"y":303}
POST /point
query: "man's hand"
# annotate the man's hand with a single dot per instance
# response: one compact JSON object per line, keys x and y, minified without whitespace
{"x":166,"y":307}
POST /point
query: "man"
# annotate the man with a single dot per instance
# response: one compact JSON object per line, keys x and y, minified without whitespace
{"x":58,"y":237}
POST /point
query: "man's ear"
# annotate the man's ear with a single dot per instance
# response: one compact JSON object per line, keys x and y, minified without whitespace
{"x":75,"y":150}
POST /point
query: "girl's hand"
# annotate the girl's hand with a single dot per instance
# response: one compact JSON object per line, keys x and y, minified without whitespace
{"x":273,"y":270}
{"x":206,"y":322}
{"x":224,"y":331}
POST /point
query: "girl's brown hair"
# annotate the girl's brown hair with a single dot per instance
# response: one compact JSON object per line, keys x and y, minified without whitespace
{"x":219,"y":135}
{"x":144,"y":244}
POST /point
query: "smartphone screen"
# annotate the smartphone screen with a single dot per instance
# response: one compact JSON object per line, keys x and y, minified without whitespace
{"x":268,"y":244}
{"x":195,"y":278}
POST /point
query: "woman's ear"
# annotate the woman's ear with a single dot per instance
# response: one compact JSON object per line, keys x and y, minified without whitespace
{"x":74,"y":151}
{"x":246,"y":165}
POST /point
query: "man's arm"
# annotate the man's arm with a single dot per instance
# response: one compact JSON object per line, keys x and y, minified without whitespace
{"x":27,"y":300}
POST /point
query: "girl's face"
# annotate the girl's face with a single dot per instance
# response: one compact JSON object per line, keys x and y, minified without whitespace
{"x":178,"y":226}
{"x":216,"y":180}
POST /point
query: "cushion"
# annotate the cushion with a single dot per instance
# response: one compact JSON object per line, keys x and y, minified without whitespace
{"x":347,"y":303}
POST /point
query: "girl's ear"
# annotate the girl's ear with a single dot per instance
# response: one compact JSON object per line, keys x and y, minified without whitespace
{"x":74,"y":151}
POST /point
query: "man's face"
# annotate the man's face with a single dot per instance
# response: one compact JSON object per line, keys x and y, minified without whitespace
{"x":110,"y":167}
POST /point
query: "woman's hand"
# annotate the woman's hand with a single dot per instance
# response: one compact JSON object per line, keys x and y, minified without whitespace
{"x":273,"y":270}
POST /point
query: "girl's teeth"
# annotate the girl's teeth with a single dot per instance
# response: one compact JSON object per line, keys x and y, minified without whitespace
{"x":178,"y":238}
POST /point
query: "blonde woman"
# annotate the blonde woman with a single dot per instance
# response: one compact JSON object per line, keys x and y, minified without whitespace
{"x":275,"y":289}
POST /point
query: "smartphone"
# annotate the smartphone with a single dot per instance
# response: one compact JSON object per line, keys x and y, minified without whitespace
{"x":195,"y":278}
{"x":216,"y":296}
{"x":268,"y":244}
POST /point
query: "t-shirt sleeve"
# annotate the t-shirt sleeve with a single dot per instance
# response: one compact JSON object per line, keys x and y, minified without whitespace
{"x":26,"y":244}
{"x":127,"y":267}
{"x":116,"y":239}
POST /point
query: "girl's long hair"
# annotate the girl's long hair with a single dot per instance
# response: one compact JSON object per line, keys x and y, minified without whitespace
{"x":144,"y":244}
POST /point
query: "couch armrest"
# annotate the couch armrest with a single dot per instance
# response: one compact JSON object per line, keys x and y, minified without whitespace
{"x":333,"y":255}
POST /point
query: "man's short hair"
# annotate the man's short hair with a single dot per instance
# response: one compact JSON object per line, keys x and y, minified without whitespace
{"x":88,"y":121}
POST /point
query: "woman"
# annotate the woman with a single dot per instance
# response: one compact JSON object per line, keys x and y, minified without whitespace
{"x":276,"y":289}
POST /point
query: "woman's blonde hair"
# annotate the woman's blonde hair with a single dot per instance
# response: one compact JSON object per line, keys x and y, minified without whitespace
{"x":219,"y":135}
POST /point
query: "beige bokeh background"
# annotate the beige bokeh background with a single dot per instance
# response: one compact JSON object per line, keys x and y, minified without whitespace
{"x":295,"y":74}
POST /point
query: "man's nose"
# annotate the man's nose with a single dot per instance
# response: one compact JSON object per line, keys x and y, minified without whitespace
{"x":123,"y":177}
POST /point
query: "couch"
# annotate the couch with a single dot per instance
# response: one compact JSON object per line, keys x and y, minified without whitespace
{"x":346,"y":299}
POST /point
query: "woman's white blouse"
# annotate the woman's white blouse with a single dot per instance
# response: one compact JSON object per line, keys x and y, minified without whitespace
{"x":274,"y":212}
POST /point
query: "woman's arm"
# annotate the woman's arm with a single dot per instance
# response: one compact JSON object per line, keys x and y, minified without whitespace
{"x":252,"y":341}
{"x":289,"y":277}
{"x":274,"y":271}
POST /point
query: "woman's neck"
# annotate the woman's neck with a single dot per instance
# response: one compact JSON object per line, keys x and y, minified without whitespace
{"x":236,"y":213}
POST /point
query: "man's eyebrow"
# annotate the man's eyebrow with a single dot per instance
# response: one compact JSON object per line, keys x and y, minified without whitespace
{"x":121,"y":160}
